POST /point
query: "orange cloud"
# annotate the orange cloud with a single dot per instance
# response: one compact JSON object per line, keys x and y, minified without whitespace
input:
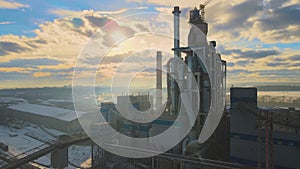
{"x":12,"y":5}
{"x":41,"y":74}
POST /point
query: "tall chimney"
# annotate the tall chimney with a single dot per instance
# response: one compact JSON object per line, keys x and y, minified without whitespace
{"x":176,"y":13}
{"x":158,"y":70}
{"x":158,"y":80}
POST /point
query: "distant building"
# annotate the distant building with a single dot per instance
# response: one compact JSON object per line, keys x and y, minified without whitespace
{"x":127,"y":104}
{"x":251,"y":127}
{"x":217,"y":145}
{"x":139,"y":102}
{"x":65,"y":120}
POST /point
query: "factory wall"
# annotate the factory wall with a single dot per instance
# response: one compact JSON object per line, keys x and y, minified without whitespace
{"x":221,"y":140}
{"x":244,"y":147}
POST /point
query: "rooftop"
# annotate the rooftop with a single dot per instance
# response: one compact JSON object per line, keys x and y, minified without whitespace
{"x":49,"y":111}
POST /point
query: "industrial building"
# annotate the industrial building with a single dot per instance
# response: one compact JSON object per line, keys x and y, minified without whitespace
{"x":246,"y":134}
{"x":195,"y":77}
{"x":65,"y":120}
{"x":263,"y":137}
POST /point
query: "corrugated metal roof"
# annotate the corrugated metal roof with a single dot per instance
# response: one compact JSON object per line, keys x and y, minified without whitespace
{"x":55,"y":112}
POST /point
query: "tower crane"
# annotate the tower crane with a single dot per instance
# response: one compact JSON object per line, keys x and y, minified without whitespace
{"x":202,"y":7}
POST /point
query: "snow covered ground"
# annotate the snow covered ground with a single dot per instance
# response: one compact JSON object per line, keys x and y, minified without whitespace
{"x":19,"y":142}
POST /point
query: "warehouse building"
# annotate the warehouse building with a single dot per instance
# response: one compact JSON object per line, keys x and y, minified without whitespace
{"x":65,"y":120}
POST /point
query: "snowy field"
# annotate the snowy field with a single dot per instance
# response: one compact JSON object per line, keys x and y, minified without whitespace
{"x":21,"y":139}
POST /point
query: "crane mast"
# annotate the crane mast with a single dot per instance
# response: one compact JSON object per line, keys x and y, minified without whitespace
{"x":202,"y":9}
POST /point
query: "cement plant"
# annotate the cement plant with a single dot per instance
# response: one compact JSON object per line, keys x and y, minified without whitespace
{"x":41,"y":129}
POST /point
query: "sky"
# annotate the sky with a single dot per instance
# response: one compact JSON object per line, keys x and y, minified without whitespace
{"x":41,"y":42}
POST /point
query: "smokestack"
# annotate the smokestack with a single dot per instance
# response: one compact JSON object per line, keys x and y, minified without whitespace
{"x":158,"y":80}
{"x":158,"y":70}
{"x":176,"y":13}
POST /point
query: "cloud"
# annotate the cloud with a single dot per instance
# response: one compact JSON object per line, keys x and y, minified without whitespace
{"x":77,"y":22}
{"x":7,"y":23}
{"x":4,"y":4}
{"x":258,"y":53}
{"x":7,"y":47}
{"x":230,"y":64}
{"x":280,"y":73}
{"x":64,"y":12}
{"x":254,"y":77}
{"x":276,"y":64}
{"x":281,"y":18}
{"x":231,"y":23}
{"x":237,"y":71}
{"x":249,"y":53}
{"x":54,"y":49}
{"x":94,"y":60}
{"x":30,"y":63}
{"x":99,"y":21}
{"x":41,"y":74}
{"x":237,"y":15}
{"x":283,"y":25}
{"x":230,"y":51}
{"x":245,"y":62}
{"x":13,"y":75}
{"x":295,"y":65}
{"x":275,"y":21}
{"x":295,"y":58}
{"x":279,"y":59}
{"x":185,"y":3}
{"x":73,"y":13}
{"x":112,"y":36}
{"x":250,"y":20}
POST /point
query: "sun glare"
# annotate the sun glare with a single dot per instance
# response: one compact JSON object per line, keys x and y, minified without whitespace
{"x":117,"y":36}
